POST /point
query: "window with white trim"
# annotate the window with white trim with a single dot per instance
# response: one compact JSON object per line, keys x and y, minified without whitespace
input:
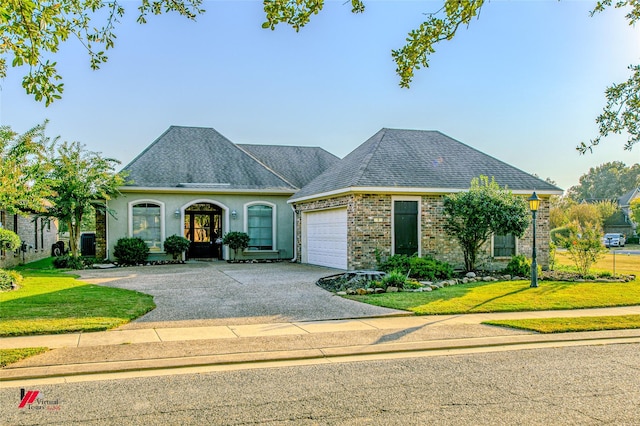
{"x":260,"y":227}
{"x":147,"y":224}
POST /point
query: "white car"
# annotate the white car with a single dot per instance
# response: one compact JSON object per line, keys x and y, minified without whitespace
{"x":614,"y":240}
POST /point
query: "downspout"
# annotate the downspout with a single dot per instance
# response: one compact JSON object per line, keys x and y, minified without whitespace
{"x":295,"y":235}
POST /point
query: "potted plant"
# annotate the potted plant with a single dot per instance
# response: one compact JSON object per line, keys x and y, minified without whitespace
{"x":176,"y":245}
{"x":236,"y":241}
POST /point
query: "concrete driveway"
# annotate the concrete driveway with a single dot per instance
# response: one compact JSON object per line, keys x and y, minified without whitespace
{"x":220,"y":293}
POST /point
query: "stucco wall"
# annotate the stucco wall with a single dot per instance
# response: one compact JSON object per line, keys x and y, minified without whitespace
{"x":370,"y":228}
{"x":118,"y":226}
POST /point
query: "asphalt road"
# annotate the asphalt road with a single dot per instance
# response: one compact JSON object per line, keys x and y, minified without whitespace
{"x":587,"y":385}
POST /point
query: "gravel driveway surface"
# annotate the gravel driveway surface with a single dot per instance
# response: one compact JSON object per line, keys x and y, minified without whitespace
{"x":220,"y":293}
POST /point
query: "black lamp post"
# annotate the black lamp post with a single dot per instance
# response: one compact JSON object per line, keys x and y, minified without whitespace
{"x":534,"y":203}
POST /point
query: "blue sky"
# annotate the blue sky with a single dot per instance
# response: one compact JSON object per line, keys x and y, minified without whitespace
{"x":523,"y":83}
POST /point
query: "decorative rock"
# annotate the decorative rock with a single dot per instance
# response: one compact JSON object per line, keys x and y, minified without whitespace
{"x":487,"y":279}
{"x":465,"y":280}
{"x":380,"y":290}
{"x":392,"y":289}
{"x":426,"y":282}
{"x":351,"y":291}
{"x":470,"y":275}
{"x":341,"y":293}
{"x":361,"y":291}
{"x":427,"y":288}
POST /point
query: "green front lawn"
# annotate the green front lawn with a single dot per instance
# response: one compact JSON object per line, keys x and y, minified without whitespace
{"x":50,"y":301}
{"x":509,"y":296}
{"x":564,"y":325}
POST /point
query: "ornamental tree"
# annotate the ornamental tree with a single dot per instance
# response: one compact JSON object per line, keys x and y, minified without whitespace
{"x":472,"y":217}
{"x":80,"y":180}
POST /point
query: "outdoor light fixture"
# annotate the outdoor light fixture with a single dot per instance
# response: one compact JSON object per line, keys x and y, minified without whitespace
{"x":234,"y":214}
{"x":177,"y":213}
{"x":534,"y":203}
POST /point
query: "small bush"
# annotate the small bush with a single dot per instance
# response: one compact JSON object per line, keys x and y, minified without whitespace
{"x":394,"y":279}
{"x":428,"y":268}
{"x":518,"y":266}
{"x":633,"y":240}
{"x":558,"y":235}
{"x":175,"y":245}
{"x":131,"y":251}
{"x":68,"y":262}
{"x":9,"y":240}
{"x":236,"y":241}
{"x":7,"y":278}
{"x":397,"y":262}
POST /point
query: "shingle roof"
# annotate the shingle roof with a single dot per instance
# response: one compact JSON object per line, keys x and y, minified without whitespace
{"x":395,"y":158}
{"x":625,"y":200}
{"x":200,"y":157}
{"x":297,"y":164}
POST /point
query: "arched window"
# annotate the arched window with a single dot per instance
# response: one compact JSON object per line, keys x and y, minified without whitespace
{"x":146,"y":223}
{"x":260,"y":226}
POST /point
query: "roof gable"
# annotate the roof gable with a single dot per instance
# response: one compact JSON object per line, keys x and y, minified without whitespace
{"x":200,"y":157}
{"x":395,"y":158}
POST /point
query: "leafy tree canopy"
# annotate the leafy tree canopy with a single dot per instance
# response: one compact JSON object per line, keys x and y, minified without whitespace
{"x":23,"y":166}
{"x":635,"y":210}
{"x":606,"y":182}
{"x":486,"y":209}
{"x":32,"y":30}
{"x":80,"y":180}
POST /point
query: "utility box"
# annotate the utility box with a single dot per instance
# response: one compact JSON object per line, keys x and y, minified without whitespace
{"x":88,"y":244}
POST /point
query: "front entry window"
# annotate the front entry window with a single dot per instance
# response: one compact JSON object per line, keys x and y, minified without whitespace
{"x":146,"y":224}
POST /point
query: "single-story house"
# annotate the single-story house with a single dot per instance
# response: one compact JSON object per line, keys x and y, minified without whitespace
{"x":196,"y":183}
{"x":386,"y":197}
{"x":305,"y":204}
{"x":37,"y":235}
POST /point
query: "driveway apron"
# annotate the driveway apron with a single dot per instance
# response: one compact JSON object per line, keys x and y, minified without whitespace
{"x":225,"y":293}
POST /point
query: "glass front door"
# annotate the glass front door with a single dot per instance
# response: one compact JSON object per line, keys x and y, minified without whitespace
{"x":203,"y":226}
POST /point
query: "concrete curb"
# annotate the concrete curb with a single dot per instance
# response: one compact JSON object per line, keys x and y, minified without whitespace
{"x":337,"y":354}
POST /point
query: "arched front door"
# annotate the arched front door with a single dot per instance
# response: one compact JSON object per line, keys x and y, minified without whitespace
{"x":202,"y":226}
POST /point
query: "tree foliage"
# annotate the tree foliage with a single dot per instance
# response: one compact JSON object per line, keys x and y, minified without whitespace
{"x":584,"y":245}
{"x":608,"y":181}
{"x":23,"y":167}
{"x":635,"y":210}
{"x":236,"y":240}
{"x":80,"y":180}
{"x":33,"y":30}
{"x":486,"y":209}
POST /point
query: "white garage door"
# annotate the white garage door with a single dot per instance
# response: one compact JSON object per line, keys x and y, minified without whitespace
{"x":327,"y":238}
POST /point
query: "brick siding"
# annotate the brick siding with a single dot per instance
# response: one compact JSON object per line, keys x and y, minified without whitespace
{"x":369,"y":219}
{"x":38,"y":236}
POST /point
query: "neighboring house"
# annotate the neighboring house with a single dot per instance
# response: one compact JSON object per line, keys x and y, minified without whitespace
{"x":624,"y":203}
{"x":196,"y":183}
{"x":36,"y":234}
{"x":386,"y":197}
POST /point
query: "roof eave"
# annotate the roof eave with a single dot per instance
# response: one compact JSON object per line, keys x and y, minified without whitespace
{"x":408,"y":190}
{"x":177,"y":190}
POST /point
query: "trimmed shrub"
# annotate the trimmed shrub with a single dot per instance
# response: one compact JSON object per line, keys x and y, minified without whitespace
{"x":633,"y":240}
{"x":394,"y":279}
{"x":518,"y":266}
{"x":428,"y":268}
{"x":175,"y":245}
{"x":9,"y":240}
{"x":68,"y":262}
{"x":7,"y":278}
{"x":236,"y":241}
{"x":131,"y":251}
{"x":397,"y":262}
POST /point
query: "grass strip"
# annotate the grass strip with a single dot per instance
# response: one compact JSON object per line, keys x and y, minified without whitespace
{"x":566,"y":325}
{"x":9,"y":356}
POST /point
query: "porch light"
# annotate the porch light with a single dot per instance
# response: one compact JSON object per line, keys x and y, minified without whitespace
{"x":534,"y":203}
{"x":234,"y":214}
{"x":177,"y":213}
